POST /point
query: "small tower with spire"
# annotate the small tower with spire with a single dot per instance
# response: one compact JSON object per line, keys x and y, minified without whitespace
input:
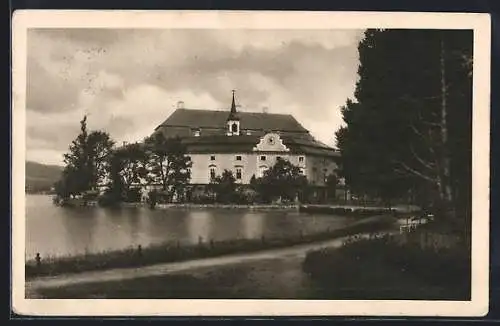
{"x":233,"y":121}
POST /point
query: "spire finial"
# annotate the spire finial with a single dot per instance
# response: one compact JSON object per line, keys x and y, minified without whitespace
{"x":233,"y":104}
{"x":233,"y":115}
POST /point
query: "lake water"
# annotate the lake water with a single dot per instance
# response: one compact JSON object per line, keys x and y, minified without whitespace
{"x":62,"y":231}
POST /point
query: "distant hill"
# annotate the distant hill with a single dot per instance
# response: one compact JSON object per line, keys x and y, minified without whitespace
{"x":41,"y":177}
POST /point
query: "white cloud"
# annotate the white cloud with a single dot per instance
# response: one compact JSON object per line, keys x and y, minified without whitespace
{"x":129,"y":81}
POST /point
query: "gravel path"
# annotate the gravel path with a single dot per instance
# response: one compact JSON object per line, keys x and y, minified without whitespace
{"x":298,"y":251}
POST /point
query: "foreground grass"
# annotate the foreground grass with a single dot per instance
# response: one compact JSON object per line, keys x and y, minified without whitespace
{"x":416,"y":266}
{"x":174,"y":252}
{"x":263,"y":279}
{"x":283,"y":277}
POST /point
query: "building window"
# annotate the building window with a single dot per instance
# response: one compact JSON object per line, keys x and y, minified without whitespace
{"x":212,"y":158}
{"x":212,"y":173}
{"x":238,"y":157}
{"x":278,"y":157}
{"x":262,"y":158}
{"x":301,"y":158}
{"x":262,"y":169}
{"x":238,"y":173}
{"x":234,"y":128}
{"x":302,"y":171}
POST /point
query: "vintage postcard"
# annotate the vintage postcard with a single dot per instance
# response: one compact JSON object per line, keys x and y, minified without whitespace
{"x":227,"y":163}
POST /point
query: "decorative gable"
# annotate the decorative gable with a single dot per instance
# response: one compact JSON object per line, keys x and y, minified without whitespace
{"x":271,"y":142}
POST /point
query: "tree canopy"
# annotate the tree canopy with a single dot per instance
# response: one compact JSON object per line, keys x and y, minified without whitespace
{"x":408,"y":129}
{"x":169,"y":165}
{"x":85,"y":163}
{"x":281,"y":181}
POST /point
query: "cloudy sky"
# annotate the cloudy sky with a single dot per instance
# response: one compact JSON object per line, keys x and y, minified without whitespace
{"x":129,"y":81}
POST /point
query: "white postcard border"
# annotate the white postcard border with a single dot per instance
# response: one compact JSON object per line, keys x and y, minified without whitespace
{"x":480,"y":23}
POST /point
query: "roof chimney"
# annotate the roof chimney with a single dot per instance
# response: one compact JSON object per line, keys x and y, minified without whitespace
{"x":180,"y":105}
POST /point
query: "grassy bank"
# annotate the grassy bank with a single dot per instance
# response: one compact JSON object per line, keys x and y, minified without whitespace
{"x":420,"y":266}
{"x":345,"y":211}
{"x":175,"y":252}
{"x":263,"y":207}
{"x":328,"y":209}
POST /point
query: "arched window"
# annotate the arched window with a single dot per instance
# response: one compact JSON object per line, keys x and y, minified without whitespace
{"x":234,"y":127}
{"x":262,"y":169}
{"x":212,"y":171}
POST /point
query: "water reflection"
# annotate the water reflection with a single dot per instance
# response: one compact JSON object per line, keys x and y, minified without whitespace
{"x":199,"y":226}
{"x":252,"y":225}
{"x":57,"y":231}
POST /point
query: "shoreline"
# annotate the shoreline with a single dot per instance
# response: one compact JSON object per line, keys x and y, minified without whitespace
{"x":175,"y":252}
{"x":331,"y":209}
{"x":263,"y":207}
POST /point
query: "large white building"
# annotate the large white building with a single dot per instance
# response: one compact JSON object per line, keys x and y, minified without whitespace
{"x":247,"y":143}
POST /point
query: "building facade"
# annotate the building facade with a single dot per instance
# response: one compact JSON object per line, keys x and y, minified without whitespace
{"x":247,"y":143}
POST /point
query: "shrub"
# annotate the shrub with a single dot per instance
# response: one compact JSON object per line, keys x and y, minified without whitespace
{"x":90,"y":195}
{"x":133,"y":195}
{"x":108,"y":199}
{"x":202,"y":195}
{"x":388,"y":266}
{"x":244,"y":195}
{"x":163,"y":197}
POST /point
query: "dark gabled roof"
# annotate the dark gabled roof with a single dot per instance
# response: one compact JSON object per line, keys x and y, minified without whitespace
{"x":191,"y":118}
{"x":213,"y":138}
{"x":309,"y":146}
{"x":246,"y":143}
{"x":220,"y":144}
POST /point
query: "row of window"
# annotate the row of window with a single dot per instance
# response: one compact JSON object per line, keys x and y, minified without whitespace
{"x":213,"y":173}
{"x":239,"y":172}
{"x":262,"y":158}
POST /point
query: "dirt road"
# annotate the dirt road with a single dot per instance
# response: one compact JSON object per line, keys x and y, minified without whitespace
{"x":298,"y":251}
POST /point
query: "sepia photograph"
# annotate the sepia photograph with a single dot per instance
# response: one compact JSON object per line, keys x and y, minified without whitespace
{"x":252,"y":162}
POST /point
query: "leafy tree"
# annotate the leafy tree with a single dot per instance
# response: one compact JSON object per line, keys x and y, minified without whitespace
{"x":116,"y":191}
{"x":331,"y":185}
{"x":282,"y":181}
{"x":132,"y":164}
{"x":179,"y":168}
{"x":409,"y":128}
{"x":224,"y":186}
{"x":76,"y":176}
{"x":68,"y":184}
{"x":157,"y":147}
{"x":85,"y":163}
{"x":168,"y":164}
{"x":100,"y":145}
